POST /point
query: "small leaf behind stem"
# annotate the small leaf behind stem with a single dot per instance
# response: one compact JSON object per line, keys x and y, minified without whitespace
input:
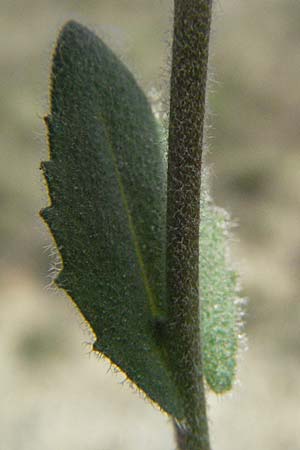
{"x":107,"y":214}
{"x":219,"y":293}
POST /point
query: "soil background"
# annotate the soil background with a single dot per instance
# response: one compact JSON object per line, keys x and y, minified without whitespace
{"x":54,"y":393}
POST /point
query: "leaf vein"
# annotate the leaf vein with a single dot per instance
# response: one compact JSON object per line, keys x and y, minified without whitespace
{"x":151,"y":297}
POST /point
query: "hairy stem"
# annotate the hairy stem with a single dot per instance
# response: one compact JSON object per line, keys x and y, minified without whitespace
{"x":187,"y":111}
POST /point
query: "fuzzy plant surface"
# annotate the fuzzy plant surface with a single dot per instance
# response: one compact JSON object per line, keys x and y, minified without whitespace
{"x":108,"y":186}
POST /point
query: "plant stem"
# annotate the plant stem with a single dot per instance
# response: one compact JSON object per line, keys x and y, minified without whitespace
{"x":187,"y":111}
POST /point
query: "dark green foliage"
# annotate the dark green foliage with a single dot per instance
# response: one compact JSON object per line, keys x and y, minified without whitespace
{"x":107,"y":213}
{"x":107,"y":184}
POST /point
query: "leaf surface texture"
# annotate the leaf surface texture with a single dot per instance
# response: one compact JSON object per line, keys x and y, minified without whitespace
{"x":106,"y":180}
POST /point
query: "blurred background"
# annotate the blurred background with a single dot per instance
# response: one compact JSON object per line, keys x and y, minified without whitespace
{"x":53,"y":393}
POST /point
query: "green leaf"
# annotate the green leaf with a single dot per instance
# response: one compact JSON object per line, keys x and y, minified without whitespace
{"x":220,"y":303}
{"x":106,"y":180}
